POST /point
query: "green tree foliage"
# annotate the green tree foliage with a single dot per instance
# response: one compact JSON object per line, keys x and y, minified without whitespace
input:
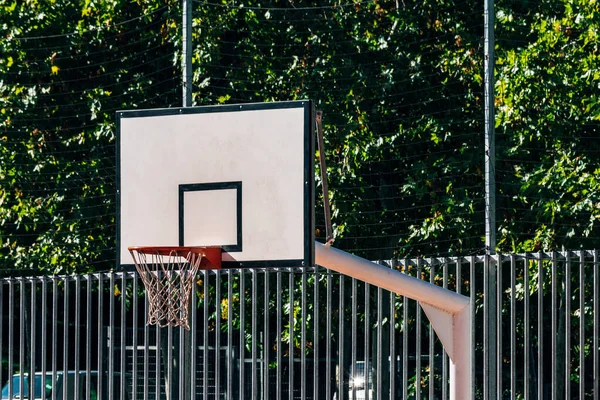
{"x":400,"y":85}
{"x":65,"y":67}
{"x":548,"y":115}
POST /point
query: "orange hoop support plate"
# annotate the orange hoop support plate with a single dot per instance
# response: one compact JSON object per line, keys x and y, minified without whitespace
{"x":211,"y":255}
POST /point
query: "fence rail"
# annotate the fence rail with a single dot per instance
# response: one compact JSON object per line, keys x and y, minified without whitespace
{"x":307,"y":334}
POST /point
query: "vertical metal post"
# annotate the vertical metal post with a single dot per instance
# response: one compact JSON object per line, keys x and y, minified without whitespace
{"x":392,"y":331}
{"x":242,"y":348}
{"x":135,"y":377}
{"x":554,"y":327}
{"x":490,"y":148}
{"x":218,"y":302}
{"x":101,"y":337}
{"x":513,"y":328}
{"x":186,"y":59}
{"x":316,"y":337}
{"x":380,"y":350}
{"x":291,"y":335}
{"x":254,"y":332}
{"x":206,"y":352}
{"x":32,"y":343}
{"x":445,"y":355}
{"x":278,"y":355}
{"x":596,"y":312}
{"x":22,"y":324}
{"x":472,"y":293}
{"x":186,"y":66}
{"x":567,"y":344}
{"x":88,"y":336}
{"x":146,"y":379}
{"x":43,"y":358}
{"x":581,"y":325}
{"x":230,"y":376}
{"x":459,"y":290}
{"x":341,"y":352}
{"x":122,"y":351}
{"x":169,"y":362}
{"x":418,"y":338}
{"x":368,"y":364}
{"x":328,"y":337}
{"x":11,"y":336}
{"x":405,"y":340}
{"x":77,"y":329}
{"x":111,"y":330}
{"x":158,"y":373}
{"x":490,"y":337}
{"x":266,"y":337}
{"x":354,"y":339}
{"x":431,"y":348}
{"x":191,"y":346}
{"x":66,"y":336}
{"x":499,"y":355}
{"x":540,"y":327}
{"x":2,"y":325}
{"x":303,"y":338}
{"x":54,"y":335}
{"x":182,"y":359}
{"x":489,"y":329}
{"x":527,"y":327}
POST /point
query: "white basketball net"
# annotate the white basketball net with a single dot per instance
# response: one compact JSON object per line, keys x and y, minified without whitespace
{"x":169,"y":279}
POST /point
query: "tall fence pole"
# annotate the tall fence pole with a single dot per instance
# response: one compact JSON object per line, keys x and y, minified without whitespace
{"x":490,"y":148}
{"x":490,"y":278}
{"x":189,"y":380}
{"x":186,"y":59}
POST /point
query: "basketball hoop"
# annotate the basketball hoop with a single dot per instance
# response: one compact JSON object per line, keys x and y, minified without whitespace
{"x":169,"y":273}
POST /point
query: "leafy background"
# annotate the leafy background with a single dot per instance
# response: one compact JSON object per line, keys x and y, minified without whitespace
{"x":400,"y":85}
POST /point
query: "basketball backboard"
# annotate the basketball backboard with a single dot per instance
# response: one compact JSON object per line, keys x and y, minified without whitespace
{"x":236,"y":176}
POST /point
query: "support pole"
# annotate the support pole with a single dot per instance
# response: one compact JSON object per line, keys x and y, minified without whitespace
{"x":448,"y":311}
{"x":186,"y":389}
{"x":186,"y":59}
{"x":490,"y":148}
{"x":491,"y":276}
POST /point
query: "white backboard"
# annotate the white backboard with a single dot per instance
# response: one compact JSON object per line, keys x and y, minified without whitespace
{"x":236,"y":176}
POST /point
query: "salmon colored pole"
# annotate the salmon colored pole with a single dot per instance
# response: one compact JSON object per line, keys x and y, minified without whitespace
{"x":448,"y":311}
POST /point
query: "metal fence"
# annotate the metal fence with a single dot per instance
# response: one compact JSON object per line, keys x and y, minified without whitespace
{"x":306,"y":334}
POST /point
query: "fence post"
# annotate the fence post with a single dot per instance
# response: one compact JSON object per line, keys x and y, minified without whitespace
{"x":490,"y":314}
{"x":490,"y":148}
{"x":490,"y":271}
{"x":186,"y":67}
{"x":186,"y":59}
